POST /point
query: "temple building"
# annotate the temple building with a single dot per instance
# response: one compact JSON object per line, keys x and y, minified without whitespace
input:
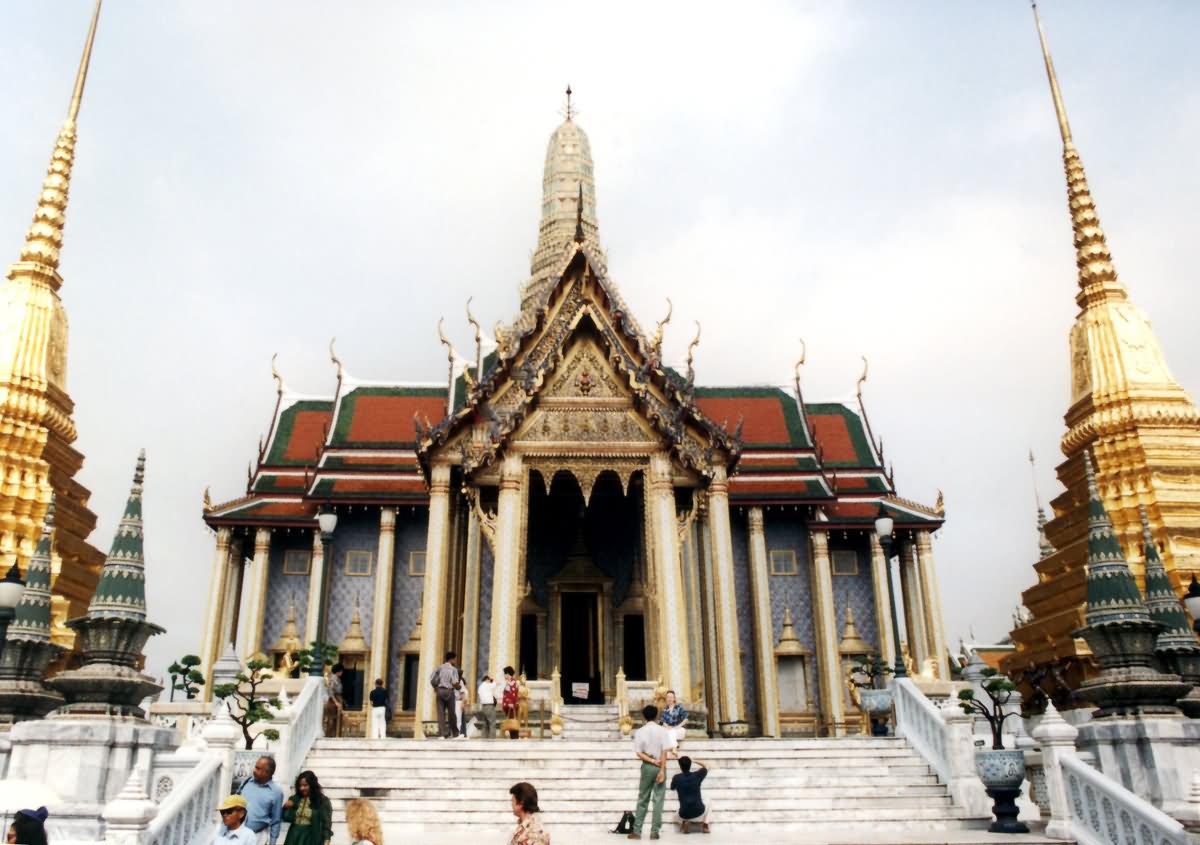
{"x":566,"y":501}
{"x":37,"y":459}
{"x":1143,"y":432}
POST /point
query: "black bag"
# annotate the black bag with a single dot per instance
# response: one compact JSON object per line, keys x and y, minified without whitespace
{"x":625,"y":825}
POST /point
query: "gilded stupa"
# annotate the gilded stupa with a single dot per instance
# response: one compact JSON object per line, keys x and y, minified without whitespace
{"x":1143,"y":431}
{"x":37,"y":458}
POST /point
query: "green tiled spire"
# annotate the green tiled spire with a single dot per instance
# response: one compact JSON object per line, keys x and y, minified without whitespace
{"x":1164,"y":605}
{"x":32,"y":620}
{"x":121,"y":591}
{"x":1113,"y":597}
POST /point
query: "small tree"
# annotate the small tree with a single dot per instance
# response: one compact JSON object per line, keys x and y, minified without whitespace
{"x":247,"y":706}
{"x":999,"y":690}
{"x":304,"y":658}
{"x":871,"y":673}
{"x":184,"y":676}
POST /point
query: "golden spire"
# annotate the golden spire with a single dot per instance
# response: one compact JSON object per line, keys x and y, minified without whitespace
{"x":1097,"y":277}
{"x":45,"y":236}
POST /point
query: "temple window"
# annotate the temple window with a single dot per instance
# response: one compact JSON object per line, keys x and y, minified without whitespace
{"x":844,"y":562}
{"x":296,"y":561}
{"x":358,"y":562}
{"x":783,"y":562}
{"x":416,"y":563}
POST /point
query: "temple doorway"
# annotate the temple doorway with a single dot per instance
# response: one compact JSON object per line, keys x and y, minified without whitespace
{"x":580,"y":647}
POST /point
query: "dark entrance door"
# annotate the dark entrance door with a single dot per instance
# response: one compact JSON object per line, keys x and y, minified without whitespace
{"x":580,"y":647}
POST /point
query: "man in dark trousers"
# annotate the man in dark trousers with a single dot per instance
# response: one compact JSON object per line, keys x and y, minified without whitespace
{"x":692,"y":808}
{"x":445,"y":681}
{"x":379,"y":697}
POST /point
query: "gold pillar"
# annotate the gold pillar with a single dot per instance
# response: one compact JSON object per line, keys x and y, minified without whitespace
{"x":256,"y":603}
{"x":381,"y":607}
{"x":210,"y":645}
{"x":672,"y":620}
{"x":934,"y":626}
{"x":232,"y":603}
{"x":433,"y":599}
{"x":764,"y":628}
{"x":507,"y":586}
{"x":883,"y":606}
{"x":316,"y":584}
{"x":829,"y":663}
{"x":470,"y":624}
{"x":724,"y":598}
{"x":712,"y":680}
{"x":914,"y":607}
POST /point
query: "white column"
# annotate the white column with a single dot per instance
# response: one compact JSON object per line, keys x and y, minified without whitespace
{"x":764,"y":627}
{"x":433,"y":601}
{"x":231,"y":605}
{"x":256,"y":603}
{"x":883,"y":607}
{"x":712,"y":680}
{"x":316,"y":584}
{"x":470,"y":629}
{"x":914,"y":608}
{"x":507,"y":588}
{"x":935,"y":629}
{"x":829,"y":663}
{"x":381,"y":607}
{"x":210,"y":645}
{"x":724,"y":598}
{"x":673,"y":628}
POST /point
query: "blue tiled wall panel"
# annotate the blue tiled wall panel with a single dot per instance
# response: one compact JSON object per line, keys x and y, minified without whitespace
{"x":487,"y":565}
{"x":283,"y":589}
{"x":787,"y":531}
{"x":412,"y":525}
{"x":356,"y":532}
{"x":745,"y":610}
{"x":856,"y":591}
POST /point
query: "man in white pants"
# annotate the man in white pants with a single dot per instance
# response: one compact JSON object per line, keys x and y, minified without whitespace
{"x":379,"y":697}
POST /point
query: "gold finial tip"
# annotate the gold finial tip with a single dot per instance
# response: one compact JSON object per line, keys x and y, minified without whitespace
{"x":81,"y":76}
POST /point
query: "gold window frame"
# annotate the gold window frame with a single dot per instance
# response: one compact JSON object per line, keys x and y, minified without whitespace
{"x":782,"y":562}
{"x":838,"y":559}
{"x":416,"y":563}
{"x":357,"y":555}
{"x":291,"y":555}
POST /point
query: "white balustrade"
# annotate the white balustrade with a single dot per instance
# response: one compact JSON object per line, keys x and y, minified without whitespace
{"x":187,"y":815}
{"x":299,"y":726}
{"x":1103,"y":812}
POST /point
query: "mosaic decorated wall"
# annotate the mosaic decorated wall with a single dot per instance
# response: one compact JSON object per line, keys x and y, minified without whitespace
{"x":411,"y":535}
{"x":856,"y":590}
{"x":354,"y":550}
{"x":785,"y":533}
{"x":283,"y":589}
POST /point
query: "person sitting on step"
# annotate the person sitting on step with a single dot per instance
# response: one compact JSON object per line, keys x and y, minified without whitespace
{"x":692,"y":808}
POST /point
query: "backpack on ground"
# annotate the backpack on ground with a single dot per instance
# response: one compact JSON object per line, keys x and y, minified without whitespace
{"x":625,"y":825}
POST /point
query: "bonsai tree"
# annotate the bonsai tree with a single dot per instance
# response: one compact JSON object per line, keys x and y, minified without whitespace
{"x":184,"y":676}
{"x":870,"y":673}
{"x":327,"y":653}
{"x":999,"y":690}
{"x":247,"y":706}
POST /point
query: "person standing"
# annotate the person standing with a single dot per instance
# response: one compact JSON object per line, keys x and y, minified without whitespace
{"x":233,"y":828}
{"x":379,"y":697}
{"x":525,"y":808}
{"x":333,"y":707}
{"x":460,"y":707}
{"x":445,"y":681}
{"x":264,"y":802}
{"x":674,"y":719}
{"x":309,"y":813}
{"x":487,"y":706}
{"x":692,"y":807}
{"x":650,"y":743}
{"x":362,"y":822}
{"x":28,"y":827}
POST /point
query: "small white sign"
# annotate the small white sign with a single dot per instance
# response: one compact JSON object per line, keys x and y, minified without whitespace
{"x":579,"y":690}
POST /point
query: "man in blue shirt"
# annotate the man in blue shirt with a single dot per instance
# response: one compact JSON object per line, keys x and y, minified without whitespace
{"x":264,"y":802}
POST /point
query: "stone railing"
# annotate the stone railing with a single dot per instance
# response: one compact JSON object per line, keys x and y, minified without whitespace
{"x":299,"y":726}
{"x":188,"y":718}
{"x":943,"y":736}
{"x":1089,"y":807}
{"x":187,"y":815}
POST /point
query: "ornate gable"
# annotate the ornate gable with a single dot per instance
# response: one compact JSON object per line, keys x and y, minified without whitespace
{"x":580,"y":375}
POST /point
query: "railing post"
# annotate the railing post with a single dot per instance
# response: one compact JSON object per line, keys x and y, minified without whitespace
{"x":1057,"y":740}
{"x":966,"y":788}
{"x":222,"y":735}
{"x":127,"y":817}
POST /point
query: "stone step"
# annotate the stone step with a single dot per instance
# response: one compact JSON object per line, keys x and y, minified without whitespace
{"x":925,"y":833}
{"x":830,"y":817}
{"x":608,"y":790}
{"x":880,"y":785}
{"x":745,"y":802}
{"x":734,"y":746}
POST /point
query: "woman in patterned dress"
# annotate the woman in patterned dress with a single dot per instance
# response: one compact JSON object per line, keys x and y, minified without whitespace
{"x":309,"y":813}
{"x":674,"y":718}
{"x":508,"y":699}
{"x":525,"y":808}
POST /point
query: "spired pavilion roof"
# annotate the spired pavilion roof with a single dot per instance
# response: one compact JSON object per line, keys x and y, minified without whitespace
{"x":369,"y":443}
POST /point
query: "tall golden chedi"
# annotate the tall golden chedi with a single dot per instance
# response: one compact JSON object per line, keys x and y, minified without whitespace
{"x":1143,"y":430}
{"x":36,"y":430}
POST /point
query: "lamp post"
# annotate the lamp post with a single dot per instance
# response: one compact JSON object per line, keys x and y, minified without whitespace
{"x":327,"y":521}
{"x":883,"y":528}
{"x":11,"y":590}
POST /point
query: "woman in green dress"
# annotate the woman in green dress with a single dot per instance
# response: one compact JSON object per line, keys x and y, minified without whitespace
{"x":309,"y":813}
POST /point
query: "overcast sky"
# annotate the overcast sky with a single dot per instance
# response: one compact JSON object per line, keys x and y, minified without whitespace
{"x":881,"y":179}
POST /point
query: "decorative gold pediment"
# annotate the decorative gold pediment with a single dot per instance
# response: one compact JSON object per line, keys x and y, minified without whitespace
{"x":586,"y":375}
{"x":585,"y":425}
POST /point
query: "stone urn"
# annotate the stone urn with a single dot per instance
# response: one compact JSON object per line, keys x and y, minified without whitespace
{"x":735,"y":730}
{"x":1001,"y":768}
{"x":876,"y":704}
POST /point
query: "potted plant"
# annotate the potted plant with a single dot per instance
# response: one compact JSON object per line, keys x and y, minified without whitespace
{"x":1001,"y":770}
{"x":869,"y":678}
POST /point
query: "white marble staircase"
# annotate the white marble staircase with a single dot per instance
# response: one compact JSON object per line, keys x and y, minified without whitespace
{"x":460,"y":787}
{"x":590,"y":722}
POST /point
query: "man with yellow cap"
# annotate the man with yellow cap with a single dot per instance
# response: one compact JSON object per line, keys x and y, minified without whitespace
{"x":233,"y":829}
